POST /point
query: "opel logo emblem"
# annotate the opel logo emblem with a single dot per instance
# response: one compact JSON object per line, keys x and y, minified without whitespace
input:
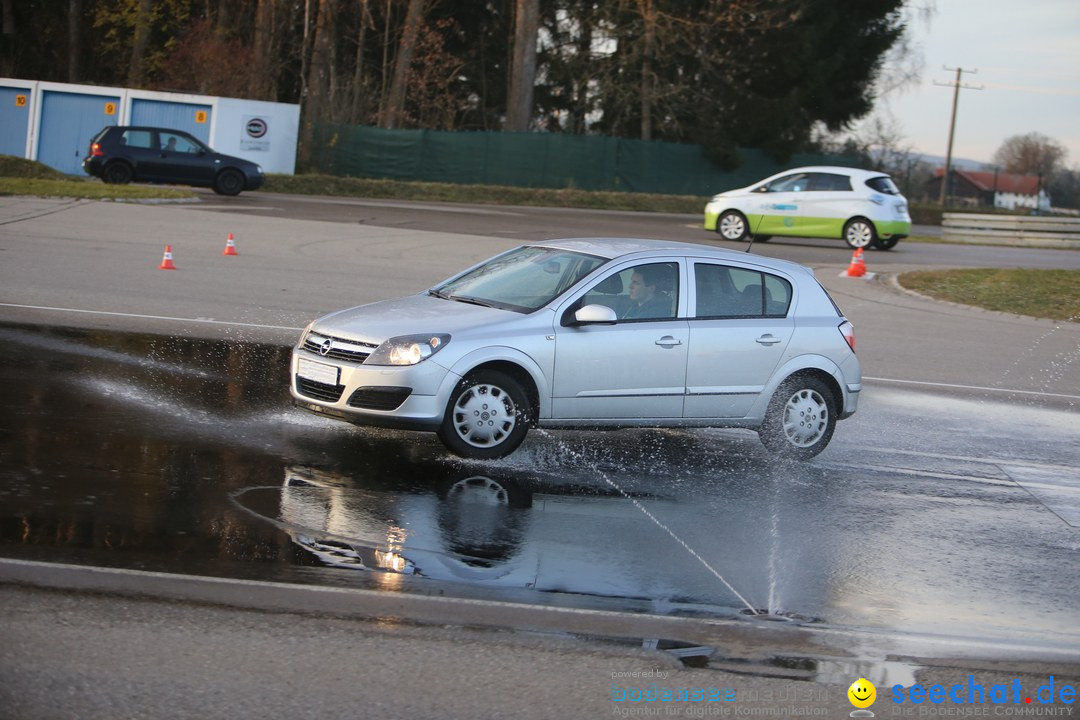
{"x":326,"y":347}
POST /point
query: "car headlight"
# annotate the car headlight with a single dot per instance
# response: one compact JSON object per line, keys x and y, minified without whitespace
{"x":407,"y":349}
{"x":717,"y":197}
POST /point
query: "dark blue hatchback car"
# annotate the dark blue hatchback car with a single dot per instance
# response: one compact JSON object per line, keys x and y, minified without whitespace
{"x":121,"y":154}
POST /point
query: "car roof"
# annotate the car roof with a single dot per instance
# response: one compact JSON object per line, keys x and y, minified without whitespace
{"x":617,"y":248}
{"x":853,"y":172}
{"x":147,"y":127}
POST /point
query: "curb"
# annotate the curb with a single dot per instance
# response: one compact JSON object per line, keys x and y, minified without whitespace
{"x":739,"y":638}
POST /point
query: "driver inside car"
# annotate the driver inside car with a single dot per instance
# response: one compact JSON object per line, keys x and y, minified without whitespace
{"x":646,"y":301}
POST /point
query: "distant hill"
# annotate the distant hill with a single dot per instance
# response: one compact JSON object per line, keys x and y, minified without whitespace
{"x":957,"y":163}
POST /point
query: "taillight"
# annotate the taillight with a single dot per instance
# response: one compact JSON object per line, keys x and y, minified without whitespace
{"x":848,"y":331}
{"x":95,"y":150}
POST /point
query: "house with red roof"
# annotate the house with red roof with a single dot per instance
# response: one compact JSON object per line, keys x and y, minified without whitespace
{"x":988,"y":188}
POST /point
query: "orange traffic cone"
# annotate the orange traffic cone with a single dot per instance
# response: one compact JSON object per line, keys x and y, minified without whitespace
{"x":857,"y":268}
{"x":230,"y":246}
{"x":166,"y":261}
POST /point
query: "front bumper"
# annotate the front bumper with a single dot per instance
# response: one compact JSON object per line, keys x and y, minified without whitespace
{"x":712,"y":214}
{"x":410,"y":397}
{"x":888,"y":228}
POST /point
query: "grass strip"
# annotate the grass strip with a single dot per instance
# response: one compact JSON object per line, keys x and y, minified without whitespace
{"x":1052,"y":294}
{"x":88,"y":190}
{"x":483,"y":194}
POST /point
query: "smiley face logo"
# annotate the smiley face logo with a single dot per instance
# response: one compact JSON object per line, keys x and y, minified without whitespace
{"x":862,"y":693}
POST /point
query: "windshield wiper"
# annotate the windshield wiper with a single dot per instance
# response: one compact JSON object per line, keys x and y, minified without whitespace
{"x":439,"y":294}
{"x":472,"y":301}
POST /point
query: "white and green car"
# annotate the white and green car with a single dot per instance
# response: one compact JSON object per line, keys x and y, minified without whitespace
{"x":862,"y":207}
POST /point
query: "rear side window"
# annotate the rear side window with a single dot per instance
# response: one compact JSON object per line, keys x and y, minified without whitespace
{"x":830,"y":182}
{"x":136,"y":139}
{"x":724,"y":291}
{"x":883,"y":184}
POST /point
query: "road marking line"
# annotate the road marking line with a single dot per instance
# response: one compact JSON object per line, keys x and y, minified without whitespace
{"x":297,"y":329}
{"x":151,"y":317}
{"x":973,"y":387}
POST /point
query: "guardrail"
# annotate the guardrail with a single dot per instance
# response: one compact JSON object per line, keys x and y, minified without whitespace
{"x":1021,"y":230}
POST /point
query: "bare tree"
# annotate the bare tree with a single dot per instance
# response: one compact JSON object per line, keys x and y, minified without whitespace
{"x":75,"y":22}
{"x":1031,"y":154}
{"x":519,"y":104}
{"x":305,"y":50}
{"x":264,"y":78}
{"x":648,"y":76}
{"x":318,"y":83}
{"x":7,"y":47}
{"x":136,"y":72}
{"x":882,"y":145}
{"x":359,"y":86}
{"x":902,"y":65}
{"x":395,"y":99}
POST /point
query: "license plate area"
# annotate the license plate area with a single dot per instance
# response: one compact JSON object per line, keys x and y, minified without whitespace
{"x":318,"y":372}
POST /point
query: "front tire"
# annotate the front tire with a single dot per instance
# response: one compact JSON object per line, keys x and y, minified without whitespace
{"x":229,"y":182}
{"x":732,"y":225}
{"x":800,"y":420}
{"x":487,"y":417}
{"x":860,"y":233}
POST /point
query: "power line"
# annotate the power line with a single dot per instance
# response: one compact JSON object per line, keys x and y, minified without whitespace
{"x":956,"y":85}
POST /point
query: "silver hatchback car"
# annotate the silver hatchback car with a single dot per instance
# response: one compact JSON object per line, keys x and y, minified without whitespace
{"x":592,"y":333}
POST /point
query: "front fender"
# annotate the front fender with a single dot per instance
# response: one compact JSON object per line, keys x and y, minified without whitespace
{"x":496,"y":354}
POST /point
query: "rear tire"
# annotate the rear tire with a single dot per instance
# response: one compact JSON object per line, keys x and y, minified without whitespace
{"x":117,"y":173}
{"x":487,"y":416}
{"x":800,"y":420}
{"x":886,"y":243}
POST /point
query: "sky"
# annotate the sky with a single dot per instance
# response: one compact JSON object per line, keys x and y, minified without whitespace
{"x":1027,"y":53}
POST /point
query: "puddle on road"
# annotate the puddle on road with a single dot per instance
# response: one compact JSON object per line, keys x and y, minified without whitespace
{"x":186,"y":456}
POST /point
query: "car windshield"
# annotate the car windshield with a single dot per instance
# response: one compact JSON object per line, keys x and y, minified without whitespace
{"x":521,"y":280}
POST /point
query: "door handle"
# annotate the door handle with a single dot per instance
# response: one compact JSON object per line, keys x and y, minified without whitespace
{"x":668,"y":341}
{"x":768,"y":340}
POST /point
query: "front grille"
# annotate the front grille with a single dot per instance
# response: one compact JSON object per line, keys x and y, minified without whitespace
{"x":379,"y":398}
{"x":337,"y":349}
{"x":318,"y":390}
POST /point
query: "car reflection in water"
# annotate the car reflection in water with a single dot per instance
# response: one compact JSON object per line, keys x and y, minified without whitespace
{"x":469,"y":529}
{"x":484,"y":530}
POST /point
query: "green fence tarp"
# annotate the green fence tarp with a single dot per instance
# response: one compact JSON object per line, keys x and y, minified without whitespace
{"x":547,"y":160}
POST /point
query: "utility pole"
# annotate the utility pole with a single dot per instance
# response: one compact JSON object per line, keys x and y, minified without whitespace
{"x":952,"y":123}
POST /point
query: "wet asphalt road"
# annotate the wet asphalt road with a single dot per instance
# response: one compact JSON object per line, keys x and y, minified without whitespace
{"x":939,"y":510}
{"x":177,"y":455}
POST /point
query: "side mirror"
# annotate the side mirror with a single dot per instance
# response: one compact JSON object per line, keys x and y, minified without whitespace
{"x":595,"y":314}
